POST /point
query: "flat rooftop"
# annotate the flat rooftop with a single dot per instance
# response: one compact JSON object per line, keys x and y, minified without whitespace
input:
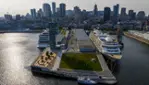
{"x":83,"y":39}
{"x":81,"y":35}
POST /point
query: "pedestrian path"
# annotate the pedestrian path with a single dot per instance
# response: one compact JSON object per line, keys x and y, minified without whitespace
{"x":57,"y":62}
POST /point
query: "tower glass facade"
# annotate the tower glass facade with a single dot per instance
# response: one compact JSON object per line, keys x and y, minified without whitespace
{"x":107,"y":13}
{"x":53,"y":8}
{"x":62,"y":10}
{"x":46,"y":10}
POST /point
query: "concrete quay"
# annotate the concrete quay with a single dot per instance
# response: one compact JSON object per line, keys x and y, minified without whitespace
{"x":141,"y":39}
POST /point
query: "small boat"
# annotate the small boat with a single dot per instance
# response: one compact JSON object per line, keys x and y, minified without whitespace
{"x":86,"y":81}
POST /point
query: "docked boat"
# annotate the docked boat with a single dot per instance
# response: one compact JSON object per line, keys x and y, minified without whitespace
{"x":43,"y":41}
{"x":109,"y":46}
{"x":86,"y":81}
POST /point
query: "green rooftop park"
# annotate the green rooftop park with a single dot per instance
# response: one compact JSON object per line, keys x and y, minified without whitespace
{"x":80,"y":61}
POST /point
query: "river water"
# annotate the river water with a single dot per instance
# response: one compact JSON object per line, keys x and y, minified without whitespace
{"x":18,"y":51}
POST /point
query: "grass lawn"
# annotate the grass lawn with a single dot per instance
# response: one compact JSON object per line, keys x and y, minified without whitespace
{"x":80,"y":61}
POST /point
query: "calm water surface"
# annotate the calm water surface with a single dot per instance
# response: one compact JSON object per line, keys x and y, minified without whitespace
{"x":18,"y":51}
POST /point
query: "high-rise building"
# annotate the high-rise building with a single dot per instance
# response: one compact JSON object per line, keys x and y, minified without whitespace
{"x":33,"y":13}
{"x":141,"y":15}
{"x":123,"y":11}
{"x":123,"y":15}
{"x":18,"y":17}
{"x":46,"y":10}
{"x":134,"y":15}
{"x":130,"y":14}
{"x":115,"y":13}
{"x":107,"y":13}
{"x":62,"y":10}
{"x":28,"y":16}
{"x":77,"y":10}
{"x":95,"y":10}
{"x":53,"y":8}
{"x":8,"y":17}
{"x":58,"y":12}
{"x":40,"y":13}
{"x":69,"y":12}
{"x":77,"y":14}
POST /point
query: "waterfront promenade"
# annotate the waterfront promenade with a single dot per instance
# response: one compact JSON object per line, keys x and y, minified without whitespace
{"x":138,"y":36}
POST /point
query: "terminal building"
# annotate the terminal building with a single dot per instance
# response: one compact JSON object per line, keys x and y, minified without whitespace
{"x":61,"y":40}
{"x":52,"y":34}
{"x":57,"y":39}
{"x":84,"y":43}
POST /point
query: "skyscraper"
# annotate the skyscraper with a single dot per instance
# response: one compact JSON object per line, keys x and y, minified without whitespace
{"x":95,"y":10}
{"x":53,"y":8}
{"x":8,"y":16}
{"x":134,"y":15}
{"x":141,"y":15}
{"x":18,"y":17}
{"x":62,"y":10}
{"x":115,"y":13}
{"x":123,"y":15}
{"x":130,"y":14}
{"x":58,"y":12}
{"x":123,"y":11}
{"x":46,"y":10}
{"x":40,"y":13}
{"x":33,"y":13}
{"x":107,"y":13}
{"x":77,"y":14}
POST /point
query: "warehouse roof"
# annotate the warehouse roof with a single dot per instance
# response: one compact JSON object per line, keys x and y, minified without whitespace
{"x":81,"y":35}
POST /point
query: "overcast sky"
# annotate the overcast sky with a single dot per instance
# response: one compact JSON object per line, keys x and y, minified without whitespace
{"x":24,"y":6}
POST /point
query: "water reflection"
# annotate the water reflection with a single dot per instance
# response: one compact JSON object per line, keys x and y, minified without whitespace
{"x":18,"y":51}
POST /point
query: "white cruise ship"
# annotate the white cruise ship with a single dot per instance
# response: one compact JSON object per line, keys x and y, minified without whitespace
{"x":108,"y":45}
{"x":43,"y":41}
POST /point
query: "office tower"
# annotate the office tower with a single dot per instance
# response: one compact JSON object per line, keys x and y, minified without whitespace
{"x":123,"y":15}
{"x":33,"y":13}
{"x":18,"y":17}
{"x":8,"y":17}
{"x":53,"y":8}
{"x":115,"y":13}
{"x":141,"y":15}
{"x":62,"y":10}
{"x":95,"y":10}
{"x":40,"y":13}
{"x":123,"y":11}
{"x":134,"y":15}
{"x":46,"y":10}
{"x":77,"y":14}
{"x":130,"y":14}
{"x":107,"y":13}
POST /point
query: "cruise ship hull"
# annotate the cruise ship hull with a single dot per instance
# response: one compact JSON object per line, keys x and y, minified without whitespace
{"x":112,"y":57}
{"x":42,"y":45}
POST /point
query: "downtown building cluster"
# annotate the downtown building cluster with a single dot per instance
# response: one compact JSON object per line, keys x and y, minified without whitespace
{"x":81,"y":18}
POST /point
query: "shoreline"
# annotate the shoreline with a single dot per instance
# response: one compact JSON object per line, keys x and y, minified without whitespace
{"x":138,"y":38}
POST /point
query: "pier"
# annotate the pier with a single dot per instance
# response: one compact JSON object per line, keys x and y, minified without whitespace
{"x":57,"y":68}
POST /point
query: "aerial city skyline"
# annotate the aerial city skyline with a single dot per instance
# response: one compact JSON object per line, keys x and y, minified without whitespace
{"x":52,"y":9}
{"x":17,"y":7}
